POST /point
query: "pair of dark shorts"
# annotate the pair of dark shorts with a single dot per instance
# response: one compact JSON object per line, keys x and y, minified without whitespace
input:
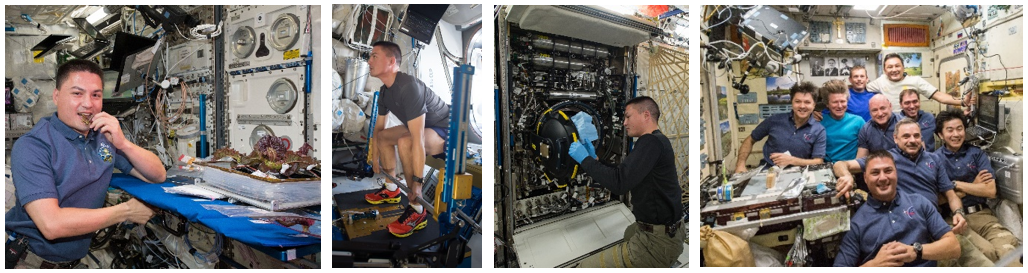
{"x":444,"y":133}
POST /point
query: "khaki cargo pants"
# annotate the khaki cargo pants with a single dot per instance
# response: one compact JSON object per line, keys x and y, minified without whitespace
{"x":640,"y":249}
{"x":985,"y":241}
{"x":991,"y":237}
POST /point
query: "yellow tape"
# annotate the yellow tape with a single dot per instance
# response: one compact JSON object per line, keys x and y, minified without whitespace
{"x":292,"y":54}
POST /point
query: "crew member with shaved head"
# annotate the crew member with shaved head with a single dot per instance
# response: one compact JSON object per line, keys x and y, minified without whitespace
{"x":61,"y":170}
{"x":877,"y":133}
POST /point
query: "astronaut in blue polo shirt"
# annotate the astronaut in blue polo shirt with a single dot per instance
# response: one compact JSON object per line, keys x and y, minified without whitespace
{"x":877,"y":133}
{"x":910,"y":100}
{"x":920,"y":172}
{"x":971,"y":171}
{"x":894,"y":227}
{"x":61,"y":170}
{"x":796,"y":132}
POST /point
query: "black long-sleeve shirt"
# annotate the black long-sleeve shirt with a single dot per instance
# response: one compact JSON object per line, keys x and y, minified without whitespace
{"x":649,"y":173}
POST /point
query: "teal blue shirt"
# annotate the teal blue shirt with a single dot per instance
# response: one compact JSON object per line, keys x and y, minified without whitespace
{"x":841,"y":134}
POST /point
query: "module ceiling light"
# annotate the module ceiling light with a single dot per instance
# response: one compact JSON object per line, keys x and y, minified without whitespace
{"x":866,"y":7}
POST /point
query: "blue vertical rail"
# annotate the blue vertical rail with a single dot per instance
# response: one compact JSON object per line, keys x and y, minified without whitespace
{"x":371,"y":129}
{"x":457,"y":142}
{"x":203,"y":126}
{"x":309,"y":64}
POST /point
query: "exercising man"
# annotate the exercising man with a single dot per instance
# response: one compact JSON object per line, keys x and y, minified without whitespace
{"x":61,"y":170}
{"x":657,"y":237}
{"x":424,"y":130}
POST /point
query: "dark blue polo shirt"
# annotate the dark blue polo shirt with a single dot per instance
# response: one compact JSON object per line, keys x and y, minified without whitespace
{"x":964,"y":166}
{"x":54,"y":161}
{"x":926,"y":121}
{"x":908,"y":219}
{"x":873,"y":138}
{"x":922,"y":176}
{"x":807,"y":142}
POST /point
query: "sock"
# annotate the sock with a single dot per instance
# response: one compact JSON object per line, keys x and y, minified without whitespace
{"x":390,"y":186}
{"x":418,"y":208}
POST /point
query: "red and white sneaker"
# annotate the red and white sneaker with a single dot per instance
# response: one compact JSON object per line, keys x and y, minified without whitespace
{"x":383,"y":195}
{"x":409,"y":222}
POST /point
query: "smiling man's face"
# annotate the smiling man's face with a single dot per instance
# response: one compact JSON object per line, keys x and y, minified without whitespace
{"x":894,"y":69}
{"x":881,"y":178}
{"x":78,"y":98}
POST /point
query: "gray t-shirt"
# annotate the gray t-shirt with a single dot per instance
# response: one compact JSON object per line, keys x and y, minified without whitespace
{"x":409,"y":98}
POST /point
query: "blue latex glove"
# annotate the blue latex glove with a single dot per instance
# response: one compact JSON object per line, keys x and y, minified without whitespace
{"x":586,"y":130}
{"x":589,"y":147}
{"x":578,"y":151}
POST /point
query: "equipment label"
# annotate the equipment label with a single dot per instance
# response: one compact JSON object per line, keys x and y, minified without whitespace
{"x":291,"y":54}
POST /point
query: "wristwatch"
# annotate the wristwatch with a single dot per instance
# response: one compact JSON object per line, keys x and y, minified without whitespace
{"x":419,"y":179}
{"x":958,"y":211}
{"x":918,"y":249}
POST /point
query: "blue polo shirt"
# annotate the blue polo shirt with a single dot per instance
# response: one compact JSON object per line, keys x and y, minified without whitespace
{"x":54,"y":161}
{"x":964,"y":165}
{"x":926,"y":121}
{"x":841,"y":143}
{"x":922,"y":175}
{"x":874,"y":138}
{"x":808,"y":141}
{"x":857,"y":103}
{"x":908,"y":219}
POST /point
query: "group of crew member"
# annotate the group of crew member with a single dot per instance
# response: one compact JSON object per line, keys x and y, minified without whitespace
{"x":927,"y":204}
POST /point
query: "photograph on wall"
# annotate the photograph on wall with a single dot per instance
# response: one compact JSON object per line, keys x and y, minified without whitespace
{"x":817,"y":66}
{"x":834,"y":66}
{"x":953,"y":82}
{"x":778,"y":90}
{"x":912,"y":63}
{"x":726,"y":138}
